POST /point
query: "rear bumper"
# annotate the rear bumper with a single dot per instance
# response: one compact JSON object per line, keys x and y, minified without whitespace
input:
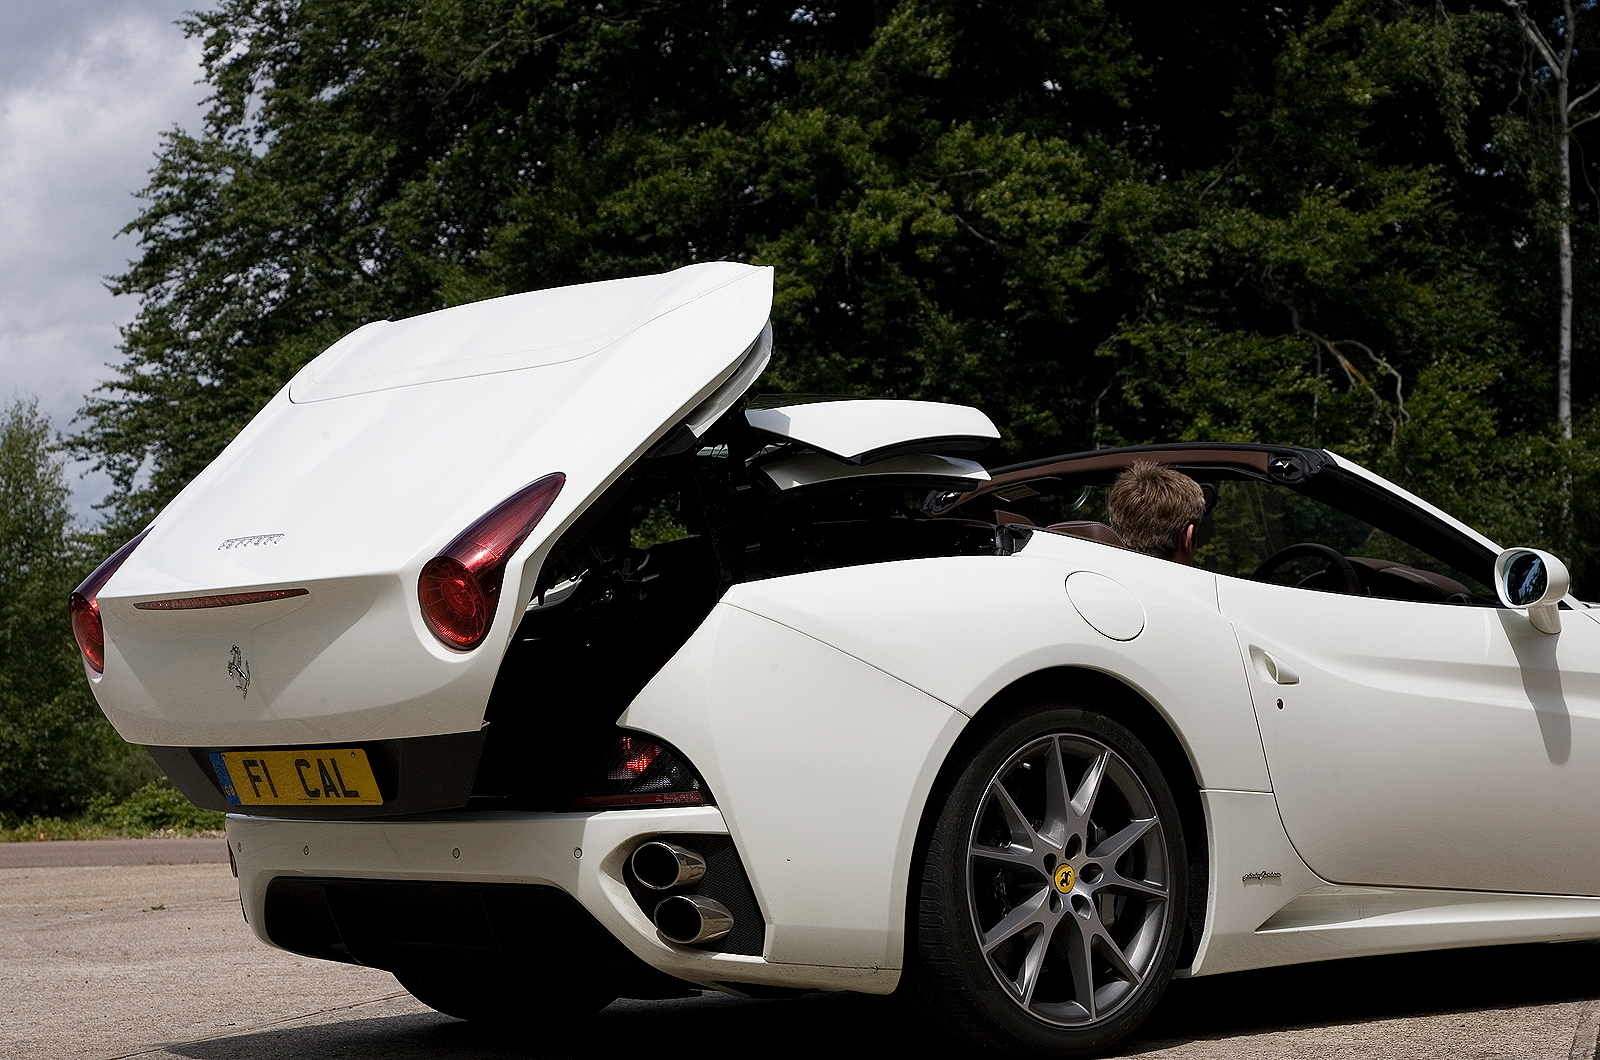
{"x":580,"y":855}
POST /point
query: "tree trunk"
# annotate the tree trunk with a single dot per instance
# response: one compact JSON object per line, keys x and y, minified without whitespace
{"x":1564,"y":206}
{"x":1558,"y":56}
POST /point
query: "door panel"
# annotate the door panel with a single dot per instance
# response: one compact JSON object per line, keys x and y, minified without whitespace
{"x":1427,"y":745}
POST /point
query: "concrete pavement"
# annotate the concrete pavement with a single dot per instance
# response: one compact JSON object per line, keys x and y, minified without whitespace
{"x":155,"y":961}
{"x":91,"y":852}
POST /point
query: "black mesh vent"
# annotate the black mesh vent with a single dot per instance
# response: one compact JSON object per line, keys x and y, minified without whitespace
{"x":725,"y":881}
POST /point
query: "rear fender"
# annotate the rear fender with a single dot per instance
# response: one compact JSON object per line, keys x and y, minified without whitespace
{"x":822,"y":707}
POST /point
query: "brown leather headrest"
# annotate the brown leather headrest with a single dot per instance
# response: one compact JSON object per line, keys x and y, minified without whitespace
{"x":1090,"y":530}
{"x":1005,"y":518}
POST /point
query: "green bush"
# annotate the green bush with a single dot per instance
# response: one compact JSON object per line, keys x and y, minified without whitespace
{"x":157,"y":806}
{"x":36,"y":828}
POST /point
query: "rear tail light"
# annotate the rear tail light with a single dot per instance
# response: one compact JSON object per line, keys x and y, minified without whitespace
{"x":638,"y":771}
{"x":85,"y":607}
{"x":459,"y":588}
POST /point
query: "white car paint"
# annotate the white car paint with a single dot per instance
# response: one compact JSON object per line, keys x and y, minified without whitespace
{"x":931,"y":624}
{"x":1106,"y":604}
{"x":510,"y":334}
{"x":797,"y":737}
{"x":857,"y":431}
{"x":1267,"y":908}
{"x":1449,"y":733}
{"x":808,"y":469}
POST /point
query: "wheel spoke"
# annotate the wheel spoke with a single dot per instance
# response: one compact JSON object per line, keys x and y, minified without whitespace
{"x":1116,"y":881}
{"x":1113,"y":953}
{"x":1059,"y":818}
{"x":1083,"y":800}
{"x":1017,"y":857}
{"x":1034,"y":964}
{"x":1108,"y":850}
{"x":1080,"y":957}
{"x":1019,"y":919}
{"x":1016,"y":820}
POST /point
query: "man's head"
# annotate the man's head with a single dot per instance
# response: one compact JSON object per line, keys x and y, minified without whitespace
{"x":1154,"y":509}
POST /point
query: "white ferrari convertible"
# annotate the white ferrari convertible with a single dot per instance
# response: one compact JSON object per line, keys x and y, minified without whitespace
{"x":536,"y":662}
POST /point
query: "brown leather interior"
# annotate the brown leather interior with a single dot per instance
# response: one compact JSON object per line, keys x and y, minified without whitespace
{"x":1003,"y":518}
{"x":1426,"y":584}
{"x":1090,"y":530}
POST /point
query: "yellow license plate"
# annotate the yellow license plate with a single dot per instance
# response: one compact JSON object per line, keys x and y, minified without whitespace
{"x":340,"y":777}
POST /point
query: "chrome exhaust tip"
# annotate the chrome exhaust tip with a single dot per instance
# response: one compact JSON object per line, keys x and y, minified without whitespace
{"x":661,"y":866}
{"x":691,"y":918}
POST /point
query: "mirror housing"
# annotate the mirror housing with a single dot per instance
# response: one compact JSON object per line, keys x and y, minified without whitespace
{"x":1532,"y":579}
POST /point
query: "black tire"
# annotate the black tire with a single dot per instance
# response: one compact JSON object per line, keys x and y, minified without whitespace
{"x":490,"y":996}
{"x":1014,"y":948}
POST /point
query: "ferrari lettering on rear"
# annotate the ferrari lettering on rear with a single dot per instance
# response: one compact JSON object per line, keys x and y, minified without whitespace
{"x":254,"y":541}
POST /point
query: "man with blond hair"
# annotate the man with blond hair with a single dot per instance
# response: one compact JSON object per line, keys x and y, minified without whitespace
{"x":1154,"y":510}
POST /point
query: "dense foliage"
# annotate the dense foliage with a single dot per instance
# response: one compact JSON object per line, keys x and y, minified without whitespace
{"x":1102,"y":222}
{"x":156,"y":808}
{"x":56,"y":749}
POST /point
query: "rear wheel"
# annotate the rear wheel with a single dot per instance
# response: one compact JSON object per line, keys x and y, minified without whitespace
{"x":1052,"y":888}
{"x":491,"y":996}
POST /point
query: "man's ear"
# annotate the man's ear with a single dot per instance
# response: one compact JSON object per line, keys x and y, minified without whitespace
{"x":1186,"y":543}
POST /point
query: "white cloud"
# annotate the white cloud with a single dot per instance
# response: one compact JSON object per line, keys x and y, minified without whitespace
{"x":85,"y":91}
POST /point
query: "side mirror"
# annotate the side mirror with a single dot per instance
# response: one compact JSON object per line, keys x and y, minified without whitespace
{"x":1527,"y":577}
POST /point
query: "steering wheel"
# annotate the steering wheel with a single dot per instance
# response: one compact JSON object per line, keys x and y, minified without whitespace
{"x":1335,"y":558}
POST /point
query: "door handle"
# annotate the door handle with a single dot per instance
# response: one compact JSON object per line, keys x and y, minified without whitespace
{"x":1271,"y":668}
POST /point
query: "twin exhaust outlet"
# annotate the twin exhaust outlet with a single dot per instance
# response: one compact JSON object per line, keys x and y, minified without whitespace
{"x":686,"y":919}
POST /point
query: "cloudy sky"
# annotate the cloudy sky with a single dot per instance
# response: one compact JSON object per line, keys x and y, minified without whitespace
{"x":86,"y":88}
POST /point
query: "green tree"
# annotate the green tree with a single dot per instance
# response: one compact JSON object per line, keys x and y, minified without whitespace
{"x":911,"y":169}
{"x":56,"y":749}
{"x":1569,"y":110}
{"x":1101,"y":225}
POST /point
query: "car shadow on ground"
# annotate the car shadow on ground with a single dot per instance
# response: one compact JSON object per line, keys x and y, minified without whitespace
{"x":1197,"y":1010}
{"x":1368,"y":989}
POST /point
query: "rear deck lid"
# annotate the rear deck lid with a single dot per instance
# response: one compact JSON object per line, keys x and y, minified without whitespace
{"x":373,"y":458}
{"x":403,"y":433}
{"x":501,"y":335}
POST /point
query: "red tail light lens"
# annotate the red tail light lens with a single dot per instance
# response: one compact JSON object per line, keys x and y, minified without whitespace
{"x":87,"y":628}
{"x":637,"y":771}
{"x":459,"y":588}
{"x":89,"y":631}
{"x":633,"y":757}
{"x":454,"y":602}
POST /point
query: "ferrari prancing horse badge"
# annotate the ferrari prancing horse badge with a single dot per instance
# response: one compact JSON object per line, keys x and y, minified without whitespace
{"x":239,"y":670}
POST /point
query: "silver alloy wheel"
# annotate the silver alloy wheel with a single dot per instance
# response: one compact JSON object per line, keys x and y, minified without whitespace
{"x":1068,"y":879}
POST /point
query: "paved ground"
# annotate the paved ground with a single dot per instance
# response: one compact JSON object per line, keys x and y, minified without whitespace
{"x":113,"y":852}
{"x":142,"y":960}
